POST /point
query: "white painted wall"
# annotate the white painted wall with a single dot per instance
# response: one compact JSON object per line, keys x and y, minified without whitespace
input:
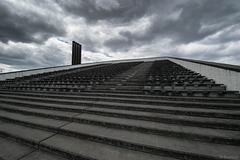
{"x":222,"y":76}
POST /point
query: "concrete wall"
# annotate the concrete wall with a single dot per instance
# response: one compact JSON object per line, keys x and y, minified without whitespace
{"x":11,"y":75}
{"x":222,"y":76}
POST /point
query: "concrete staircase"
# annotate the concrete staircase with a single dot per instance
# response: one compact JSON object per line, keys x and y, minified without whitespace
{"x":107,"y":125}
{"x":132,"y":80}
{"x":170,"y":79}
{"x":117,"y":124}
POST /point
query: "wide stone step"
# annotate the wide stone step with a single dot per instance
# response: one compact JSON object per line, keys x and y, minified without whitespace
{"x":71,"y":89}
{"x":102,"y":86}
{"x":171,"y":130}
{"x":216,"y":123}
{"x":37,"y":120}
{"x":11,"y":150}
{"x":228,"y":124}
{"x":83,"y":149}
{"x":86,"y":149}
{"x":235,"y":114}
{"x":150,"y":143}
{"x":119,"y":87}
{"x":22,"y":100}
{"x":127,"y":79}
{"x":123,"y":81}
{"x":52,"y":88}
{"x":28,"y":135}
{"x":128,"y":96}
{"x":42,"y":155}
{"x":25,"y":135}
{"x":186,"y":132}
{"x":213,"y":113}
{"x":119,"y":101}
{"x":33,"y":121}
{"x":46,"y":105}
{"x":113,"y":91}
{"x":47,"y":112}
{"x":176,"y":110}
{"x":194,"y":93}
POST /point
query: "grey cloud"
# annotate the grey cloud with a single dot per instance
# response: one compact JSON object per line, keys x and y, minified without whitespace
{"x":88,"y":43}
{"x":195,"y":14}
{"x":227,"y":35}
{"x":121,"y":44}
{"x":187,"y":27}
{"x":28,"y":26}
{"x":51,"y":56}
{"x":126,"y":10}
{"x":178,"y":22}
{"x":17,"y":58}
{"x":24,"y":57}
{"x":87,"y":59}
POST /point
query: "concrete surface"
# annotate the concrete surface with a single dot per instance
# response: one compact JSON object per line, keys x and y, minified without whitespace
{"x":154,"y":140}
{"x":89,"y":149}
{"x":42,"y":155}
{"x":222,"y":76}
{"x":10,"y":150}
{"x":118,"y":124}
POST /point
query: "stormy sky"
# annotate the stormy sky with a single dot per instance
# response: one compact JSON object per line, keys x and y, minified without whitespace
{"x":39,"y":33}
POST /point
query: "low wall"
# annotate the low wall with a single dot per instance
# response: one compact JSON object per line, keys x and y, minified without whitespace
{"x":228,"y":75}
{"x":11,"y":75}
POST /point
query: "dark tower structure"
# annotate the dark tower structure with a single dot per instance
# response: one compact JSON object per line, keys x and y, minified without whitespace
{"x":76,"y":53}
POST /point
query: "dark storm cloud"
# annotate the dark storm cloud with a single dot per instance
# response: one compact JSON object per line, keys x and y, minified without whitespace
{"x":16,"y":56}
{"x":22,"y":57}
{"x":194,"y":15}
{"x":38,"y":33}
{"x":121,"y":44}
{"x":193,"y":21}
{"x":25,"y":25}
{"x":229,"y":34}
{"x":94,"y":10}
{"x":89,"y":43}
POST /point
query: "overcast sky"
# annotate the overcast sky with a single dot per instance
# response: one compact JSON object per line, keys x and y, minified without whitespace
{"x":39,"y":33}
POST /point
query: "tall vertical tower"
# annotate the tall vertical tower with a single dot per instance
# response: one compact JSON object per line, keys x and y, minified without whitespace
{"x":76,"y":53}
